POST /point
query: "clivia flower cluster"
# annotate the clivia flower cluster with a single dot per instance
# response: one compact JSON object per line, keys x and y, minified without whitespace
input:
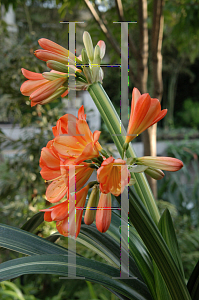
{"x":48,"y":86}
{"x":75,"y":146}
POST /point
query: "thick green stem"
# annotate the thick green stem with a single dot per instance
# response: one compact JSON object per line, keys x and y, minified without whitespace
{"x":113,"y":123}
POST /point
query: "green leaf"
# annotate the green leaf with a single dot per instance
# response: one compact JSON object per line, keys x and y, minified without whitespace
{"x":105,"y":246}
{"x":142,"y":259}
{"x":162,"y":292}
{"x":53,"y":237}
{"x":166,"y":228}
{"x":33,"y":222}
{"x":137,"y":250}
{"x":101,"y":244}
{"x":15,"y":293}
{"x":92,"y":271}
{"x":91,"y":290}
{"x":193,"y":283}
{"x":168,"y":232}
{"x":157,"y":248}
{"x":27,"y":243}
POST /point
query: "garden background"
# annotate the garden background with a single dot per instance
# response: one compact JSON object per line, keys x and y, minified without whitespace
{"x":24,"y":131}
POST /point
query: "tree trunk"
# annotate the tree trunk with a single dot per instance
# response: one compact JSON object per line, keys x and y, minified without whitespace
{"x":142,"y":64}
{"x":149,"y":135}
{"x":156,"y":46}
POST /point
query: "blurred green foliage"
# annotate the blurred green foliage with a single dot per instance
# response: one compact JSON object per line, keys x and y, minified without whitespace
{"x":189,"y":115}
{"x":181,"y":193}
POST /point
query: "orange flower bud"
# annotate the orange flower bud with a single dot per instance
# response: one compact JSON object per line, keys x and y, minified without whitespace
{"x":103,"y":215}
{"x":163,"y":163}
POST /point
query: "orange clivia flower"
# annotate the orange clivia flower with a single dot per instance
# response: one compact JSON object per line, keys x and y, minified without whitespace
{"x":103,"y":214}
{"x":145,"y":111}
{"x":163,"y":163}
{"x":73,"y":138}
{"x":113,"y":176}
{"x":68,"y":224}
{"x":42,"y":90}
{"x":57,"y":170}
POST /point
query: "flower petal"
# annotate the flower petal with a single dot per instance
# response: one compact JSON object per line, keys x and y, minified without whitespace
{"x":56,"y":190}
{"x":31,"y":75}
{"x":29,"y":86}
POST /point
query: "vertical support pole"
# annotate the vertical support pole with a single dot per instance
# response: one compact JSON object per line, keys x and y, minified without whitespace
{"x":124,"y":106}
{"x":71,"y":168}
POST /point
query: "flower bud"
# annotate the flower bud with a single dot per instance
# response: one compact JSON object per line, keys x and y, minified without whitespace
{"x":97,"y":53}
{"x":91,"y":208}
{"x":57,"y":66}
{"x":163,"y":163}
{"x":51,"y":75}
{"x":102,"y":46}
{"x":86,"y":69}
{"x":103,"y":215}
{"x":85,"y":58}
{"x":154,"y":173}
{"x":96,"y":64}
{"x":101,"y":75}
{"x":88,"y":45}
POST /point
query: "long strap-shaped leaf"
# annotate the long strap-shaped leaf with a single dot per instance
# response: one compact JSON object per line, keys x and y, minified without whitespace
{"x":158,"y":249}
{"x":33,"y":222}
{"x":193,"y":283}
{"x":92,"y":271}
{"x":27,"y":243}
{"x":137,"y":250}
{"x":107,"y":245}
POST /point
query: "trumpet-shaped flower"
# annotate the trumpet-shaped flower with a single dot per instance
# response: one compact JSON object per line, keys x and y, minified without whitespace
{"x":68,"y":214}
{"x":73,"y":138}
{"x":145,"y":111}
{"x":42,"y":90}
{"x":57,"y":170}
{"x":103,"y":214}
{"x":113,"y":176}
